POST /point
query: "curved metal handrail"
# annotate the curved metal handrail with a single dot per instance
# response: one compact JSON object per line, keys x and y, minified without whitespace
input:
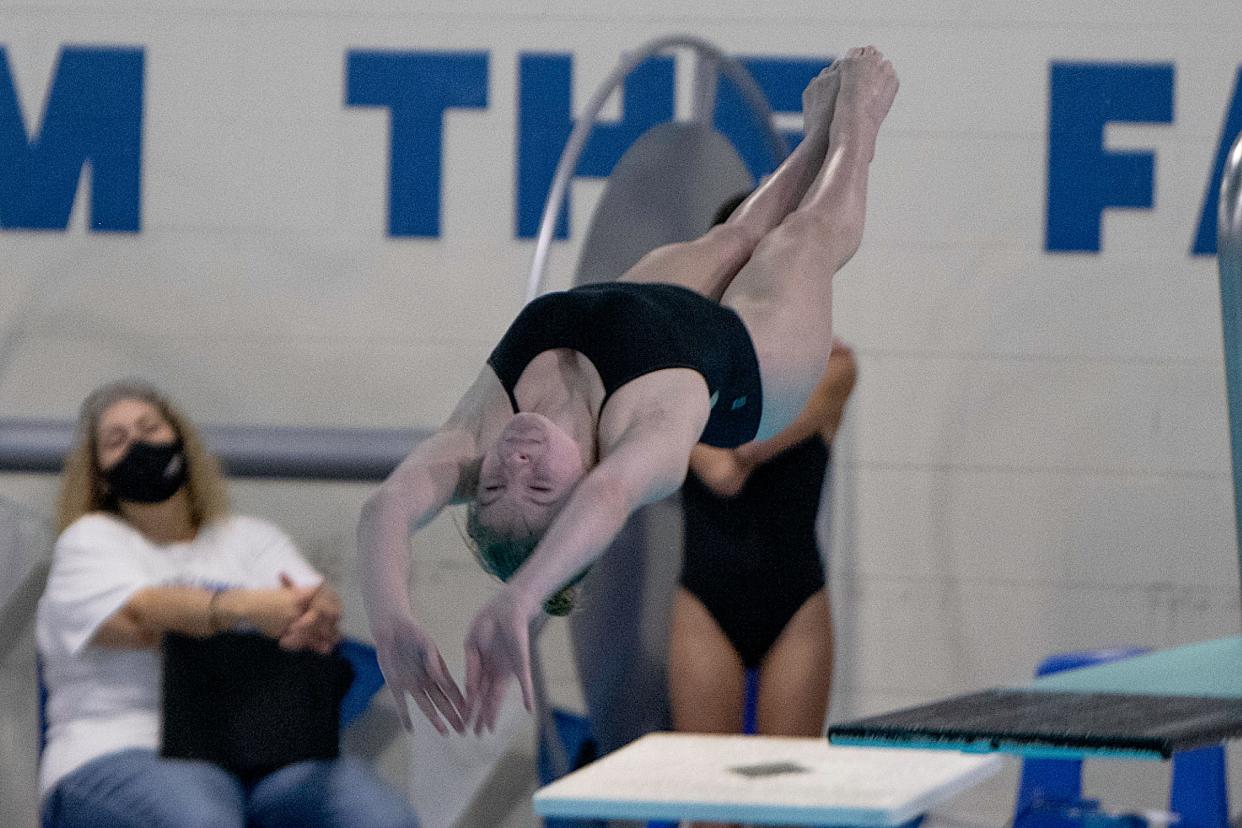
{"x":708,"y":55}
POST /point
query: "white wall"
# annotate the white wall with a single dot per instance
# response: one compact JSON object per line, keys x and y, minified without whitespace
{"x":1036,"y":458}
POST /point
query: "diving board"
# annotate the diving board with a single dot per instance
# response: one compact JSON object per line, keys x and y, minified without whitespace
{"x":1147,"y":707}
{"x":762,"y":780}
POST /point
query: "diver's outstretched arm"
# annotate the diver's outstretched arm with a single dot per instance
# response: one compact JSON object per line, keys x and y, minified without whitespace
{"x":425,"y":482}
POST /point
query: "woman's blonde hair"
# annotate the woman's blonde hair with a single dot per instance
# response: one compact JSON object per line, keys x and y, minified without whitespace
{"x":82,"y":486}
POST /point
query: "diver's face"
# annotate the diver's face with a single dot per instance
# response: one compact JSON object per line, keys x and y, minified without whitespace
{"x":527,"y":476}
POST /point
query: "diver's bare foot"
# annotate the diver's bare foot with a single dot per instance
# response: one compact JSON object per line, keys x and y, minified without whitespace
{"x":819,"y":100}
{"x":868,"y":86}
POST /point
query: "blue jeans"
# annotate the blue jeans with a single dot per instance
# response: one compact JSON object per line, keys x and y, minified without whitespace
{"x":138,"y":788}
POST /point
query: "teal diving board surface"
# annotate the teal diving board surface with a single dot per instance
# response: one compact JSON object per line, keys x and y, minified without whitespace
{"x":1145,"y":707}
{"x":1211,"y":669}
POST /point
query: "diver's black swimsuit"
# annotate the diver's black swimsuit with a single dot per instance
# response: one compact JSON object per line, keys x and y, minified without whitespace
{"x":629,"y":329}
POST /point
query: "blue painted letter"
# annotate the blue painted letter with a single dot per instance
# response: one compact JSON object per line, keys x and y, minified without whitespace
{"x":1084,"y":178}
{"x":417,"y":87}
{"x":93,"y":116}
{"x":545,"y":123}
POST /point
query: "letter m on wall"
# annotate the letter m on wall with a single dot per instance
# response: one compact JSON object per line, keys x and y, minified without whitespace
{"x":93,"y":115}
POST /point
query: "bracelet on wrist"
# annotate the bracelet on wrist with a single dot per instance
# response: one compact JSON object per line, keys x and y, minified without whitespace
{"x":213,"y":611}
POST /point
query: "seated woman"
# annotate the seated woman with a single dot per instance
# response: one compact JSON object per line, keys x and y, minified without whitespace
{"x":752,"y":590}
{"x":592,"y":402}
{"x":147,"y":547}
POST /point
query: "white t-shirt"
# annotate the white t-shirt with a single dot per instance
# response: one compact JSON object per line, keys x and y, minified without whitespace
{"x":101,"y":700}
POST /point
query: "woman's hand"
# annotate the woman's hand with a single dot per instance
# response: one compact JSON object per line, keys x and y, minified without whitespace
{"x":270,"y":611}
{"x":412,"y":664}
{"x":497,"y":648}
{"x":316,"y":629}
{"x":724,"y":471}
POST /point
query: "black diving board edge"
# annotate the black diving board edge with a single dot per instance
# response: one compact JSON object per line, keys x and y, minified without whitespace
{"x":1056,"y":724}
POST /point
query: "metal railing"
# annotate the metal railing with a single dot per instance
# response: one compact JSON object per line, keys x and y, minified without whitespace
{"x":33,"y":445}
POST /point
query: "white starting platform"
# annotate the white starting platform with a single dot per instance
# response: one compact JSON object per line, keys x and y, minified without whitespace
{"x":762,"y":780}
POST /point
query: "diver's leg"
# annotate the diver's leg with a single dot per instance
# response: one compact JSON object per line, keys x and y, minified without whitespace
{"x":708,"y":264}
{"x":784,"y":291}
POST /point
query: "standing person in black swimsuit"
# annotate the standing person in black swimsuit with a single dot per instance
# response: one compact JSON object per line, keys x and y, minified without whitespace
{"x":752,"y":590}
{"x":592,"y":402}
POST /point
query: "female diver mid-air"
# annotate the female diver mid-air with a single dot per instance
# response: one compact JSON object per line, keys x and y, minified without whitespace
{"x":592,"y":401}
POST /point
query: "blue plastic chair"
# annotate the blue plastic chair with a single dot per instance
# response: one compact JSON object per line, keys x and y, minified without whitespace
{"x":368,"y":679}
{"x":42,"y":689}
{"x":1050,"y":790}
{"x":573,"y":730}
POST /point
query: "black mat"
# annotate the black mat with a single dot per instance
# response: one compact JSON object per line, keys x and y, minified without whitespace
{"x":1013,"y":719}
{"x":243,"y":702}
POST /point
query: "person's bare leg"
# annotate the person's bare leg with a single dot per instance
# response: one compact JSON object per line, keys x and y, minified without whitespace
{"x":796,"y":674}
{"x":706,"y":679}
{"x":708,"y":264}
{"x":707,"y":682}
{"x":784,"y":292}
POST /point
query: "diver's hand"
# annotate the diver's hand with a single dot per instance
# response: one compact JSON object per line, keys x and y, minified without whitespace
{"x":412,"y":664}
{"x":497,"y":649}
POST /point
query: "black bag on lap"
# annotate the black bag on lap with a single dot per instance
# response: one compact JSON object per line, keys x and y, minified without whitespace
{"x":239,"y":700}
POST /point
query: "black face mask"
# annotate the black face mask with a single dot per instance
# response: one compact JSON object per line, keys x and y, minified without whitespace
{"x":148,"y":473}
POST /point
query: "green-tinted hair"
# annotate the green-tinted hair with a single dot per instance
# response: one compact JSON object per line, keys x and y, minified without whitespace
{"x":501,"y":556}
